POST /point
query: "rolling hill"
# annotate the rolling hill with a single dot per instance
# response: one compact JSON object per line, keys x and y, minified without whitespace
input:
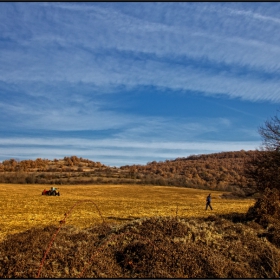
{"x":218,"y":171}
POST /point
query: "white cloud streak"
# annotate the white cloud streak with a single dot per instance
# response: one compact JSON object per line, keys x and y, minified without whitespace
{"x":256,"y":16}
{"x":118,"y":143}
{"x":109,"y":151}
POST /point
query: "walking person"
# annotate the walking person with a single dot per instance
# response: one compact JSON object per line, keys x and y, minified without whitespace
{"x":208,"y":202}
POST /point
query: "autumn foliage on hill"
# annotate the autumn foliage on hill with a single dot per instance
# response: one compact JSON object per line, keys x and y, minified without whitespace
{"x":218,"y":171}
{"x":45,"y":171}
{"x":46,"y":165}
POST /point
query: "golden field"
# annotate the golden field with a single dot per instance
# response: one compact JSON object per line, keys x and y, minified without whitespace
{"x":23,"y":206}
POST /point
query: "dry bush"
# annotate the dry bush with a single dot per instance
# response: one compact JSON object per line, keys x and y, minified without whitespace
{"x":158,"y":247}
{"x":266,"y":212}
{"x":267,"y":207}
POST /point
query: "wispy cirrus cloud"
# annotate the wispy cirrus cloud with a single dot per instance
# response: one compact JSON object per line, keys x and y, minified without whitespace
{"x":89,"y":41}
{"x":120,"y":71}
{"x":255,"y":16}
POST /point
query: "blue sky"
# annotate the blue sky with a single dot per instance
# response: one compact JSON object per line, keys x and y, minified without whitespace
{"x":129,"y":83}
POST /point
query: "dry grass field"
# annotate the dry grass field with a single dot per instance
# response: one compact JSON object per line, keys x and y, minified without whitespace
{"x":23,"y":207}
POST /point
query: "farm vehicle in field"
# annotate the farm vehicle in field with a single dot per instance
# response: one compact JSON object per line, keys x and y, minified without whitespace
{"x":52,"y":191}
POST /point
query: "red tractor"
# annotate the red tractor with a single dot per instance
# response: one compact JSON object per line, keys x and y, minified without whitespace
{"x":52,"y":191}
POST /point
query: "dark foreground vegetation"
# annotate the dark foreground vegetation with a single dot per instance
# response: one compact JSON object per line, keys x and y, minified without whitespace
{"x":236,"y":245}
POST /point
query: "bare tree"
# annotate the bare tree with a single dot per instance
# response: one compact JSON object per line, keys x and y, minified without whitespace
{"x":270,"y":133}
{"x":264,"y":166}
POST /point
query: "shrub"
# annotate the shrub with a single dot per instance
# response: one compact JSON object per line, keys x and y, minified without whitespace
{"x":30,"y":179}
{"x":267,"y":207}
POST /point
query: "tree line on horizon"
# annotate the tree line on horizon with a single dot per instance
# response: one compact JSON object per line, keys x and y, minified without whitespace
{"x":217,"y":171}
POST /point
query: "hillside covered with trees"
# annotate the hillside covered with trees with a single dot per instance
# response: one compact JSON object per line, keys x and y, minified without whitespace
{"x":222,"y":171}
{"x":218,"y":171}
